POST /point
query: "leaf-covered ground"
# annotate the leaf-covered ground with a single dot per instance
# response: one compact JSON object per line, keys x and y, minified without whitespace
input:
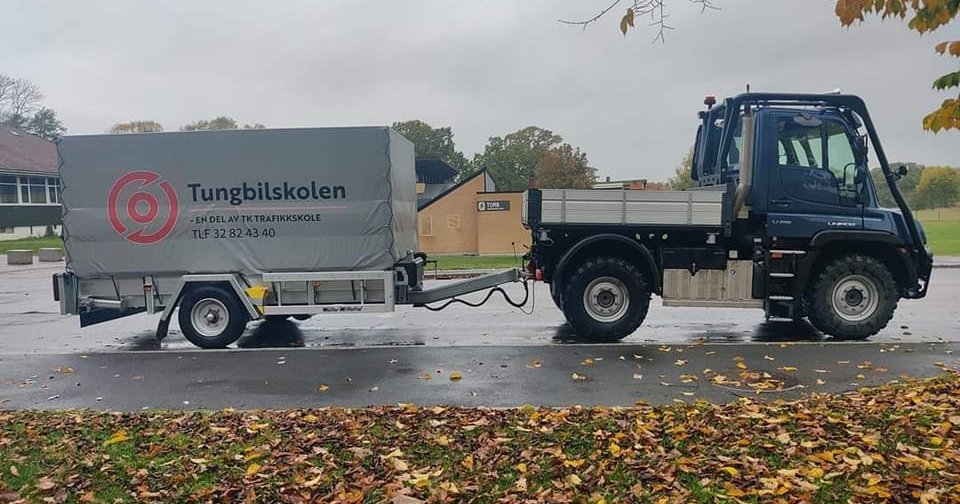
{"x":896,"y":443}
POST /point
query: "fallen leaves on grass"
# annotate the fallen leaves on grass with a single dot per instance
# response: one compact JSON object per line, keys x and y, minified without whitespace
{"x":899,"y":443}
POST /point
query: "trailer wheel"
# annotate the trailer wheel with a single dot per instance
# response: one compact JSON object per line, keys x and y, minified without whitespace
{"x":853,"y":298}
{"x":211,"y":317}
{"x":606,"y":299}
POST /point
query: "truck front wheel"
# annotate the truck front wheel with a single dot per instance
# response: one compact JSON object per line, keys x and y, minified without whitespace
{"x":606,"y":299}
{"x":211,"y":317}
{"x":853,"y":298}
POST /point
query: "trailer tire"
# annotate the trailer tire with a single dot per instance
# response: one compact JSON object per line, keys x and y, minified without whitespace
{"x":606,"y":299}
{"x":852,"y":298}
{"x":212,"y":317}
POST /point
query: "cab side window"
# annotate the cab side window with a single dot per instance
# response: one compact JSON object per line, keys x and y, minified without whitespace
{"x":802,"y":159}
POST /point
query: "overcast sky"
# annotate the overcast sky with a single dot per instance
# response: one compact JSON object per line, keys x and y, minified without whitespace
{"x":484,"y":68}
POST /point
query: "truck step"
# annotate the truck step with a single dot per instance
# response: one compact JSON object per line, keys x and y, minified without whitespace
{"x":780,"y":298}
{"x":782,"y":275}
{"x":779,"y":319}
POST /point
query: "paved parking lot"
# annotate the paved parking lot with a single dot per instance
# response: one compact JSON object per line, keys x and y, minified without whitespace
{"x":504,"y":357}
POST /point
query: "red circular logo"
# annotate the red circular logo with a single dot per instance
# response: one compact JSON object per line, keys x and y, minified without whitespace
{"x":142,"y":208}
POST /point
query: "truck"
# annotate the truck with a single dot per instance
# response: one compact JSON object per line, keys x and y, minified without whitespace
{"x":783,"y":216}
{"x":229,"y":227}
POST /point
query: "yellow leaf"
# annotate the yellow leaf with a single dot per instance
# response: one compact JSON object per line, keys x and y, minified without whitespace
{"x":936,"y":440}
{"x":454,"y":376}
{"x":14,"y":471}
{"x":468,"y":462}
{"x":741,"y":365}
{"x":587,"y":362}
{"x":788,"y":368}
{"x":522,"y":467}
{"x":399,"y":464}
{"x":119,"y":437}
{"x":783,"y":437}
{"x":626,"y":22}
{"x":252,"y":455}
{"x":323,"y":387}
{"x":253,"y":469}
{"x":732,"y":471}
{"x":574,"y":480}
{"x":310,"y":418}
{"x":573,"y":463}
{"x":615,"y":449}
{"x":443,"y":440}
{"x":816,"y":473}
{"x":578,"y":377}
{"x":419,"y":480}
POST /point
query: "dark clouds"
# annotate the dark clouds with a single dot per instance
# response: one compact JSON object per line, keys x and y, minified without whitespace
{"x":484,"y":68}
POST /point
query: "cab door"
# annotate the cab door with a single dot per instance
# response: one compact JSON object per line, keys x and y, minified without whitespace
{"x":813,"y":173}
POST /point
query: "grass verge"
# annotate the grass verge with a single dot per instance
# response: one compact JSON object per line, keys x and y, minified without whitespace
{"x":898,"y":442}
{"x":943,"y":237}
{"x":30,"y":244}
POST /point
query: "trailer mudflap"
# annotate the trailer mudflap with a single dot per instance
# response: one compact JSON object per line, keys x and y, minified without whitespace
{"x":448,"y":291}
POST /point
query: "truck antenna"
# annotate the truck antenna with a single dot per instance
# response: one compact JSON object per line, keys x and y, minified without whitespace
{"x":748,"y":87}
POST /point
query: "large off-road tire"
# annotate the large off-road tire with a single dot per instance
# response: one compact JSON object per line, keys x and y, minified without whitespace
{"x":605,"y":299}
{"x":555,"y":294}
{"x":212,"y":317}
{"x":852,"y":298}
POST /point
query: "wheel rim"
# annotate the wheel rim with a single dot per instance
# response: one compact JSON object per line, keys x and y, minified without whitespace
{"x":209,"y":317}
{"x":606,"y":299}
{"x":855,"y":298}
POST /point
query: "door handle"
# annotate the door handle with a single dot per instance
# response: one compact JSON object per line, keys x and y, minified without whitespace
{"x":780,"y":202}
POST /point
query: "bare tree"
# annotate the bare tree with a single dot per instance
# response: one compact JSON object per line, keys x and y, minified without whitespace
{"x":24,"y":97}
{"x":6,"y":86}
{"x":653,"y":9}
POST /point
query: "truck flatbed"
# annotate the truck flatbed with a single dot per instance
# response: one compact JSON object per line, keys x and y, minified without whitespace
{"x":610,"y":206}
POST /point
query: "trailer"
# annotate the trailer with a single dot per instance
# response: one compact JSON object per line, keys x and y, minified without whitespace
{"x":228,"y":227}
{"x":783,"y":217}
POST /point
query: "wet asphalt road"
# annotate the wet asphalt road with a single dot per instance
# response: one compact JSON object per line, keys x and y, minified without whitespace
{"x":46,"y":361}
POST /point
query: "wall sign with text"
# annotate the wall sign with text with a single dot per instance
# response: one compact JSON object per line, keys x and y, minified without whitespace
{"x":493,"y":206}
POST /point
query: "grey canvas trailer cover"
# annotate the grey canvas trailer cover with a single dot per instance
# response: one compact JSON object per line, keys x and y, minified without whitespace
{"x":233,"y":226}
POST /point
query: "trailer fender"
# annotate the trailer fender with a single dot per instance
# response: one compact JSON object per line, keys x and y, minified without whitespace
{"x":602,"y":242}
{"x":237,"y":285}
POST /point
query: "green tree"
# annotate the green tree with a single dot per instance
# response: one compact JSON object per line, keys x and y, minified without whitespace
{"x":147,"y":126}
{"x":682,"y":177}
{"x":565,"y":167}
{"x":433,"y":142}
{"x":217,"y":123}
{"x":939,"y":187}
{"x":512,"y":159}
{"x":907,"y":184}
{"x":45,"y":124}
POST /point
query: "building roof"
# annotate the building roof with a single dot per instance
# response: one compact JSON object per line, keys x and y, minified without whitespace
{"x":434,"y":171}
{"x":25,"y":152}
{"x":488,"y":184}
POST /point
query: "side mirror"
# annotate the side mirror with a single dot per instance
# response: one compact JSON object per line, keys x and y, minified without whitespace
{"x":902,"y":171}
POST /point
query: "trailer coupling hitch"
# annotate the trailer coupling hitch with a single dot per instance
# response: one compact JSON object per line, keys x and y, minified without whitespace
{"x":506,"y":297}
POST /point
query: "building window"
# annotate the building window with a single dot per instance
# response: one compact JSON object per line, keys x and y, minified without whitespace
{"x":453,"y":221}
{"x":426,"y":225}
{"x":6,"y":230}
{"x":29,"y":190}
{"x":8,"y":190}
{"x":53,"y":190}
{"x":38,"y":189}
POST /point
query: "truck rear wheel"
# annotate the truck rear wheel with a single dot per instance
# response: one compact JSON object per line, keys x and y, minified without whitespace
{"x":606,"y":299}
{"x":853,"y":298}
{"x":211,"y":317}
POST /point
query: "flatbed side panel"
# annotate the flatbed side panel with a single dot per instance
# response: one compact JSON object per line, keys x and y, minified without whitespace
{"x":676,"y":208}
